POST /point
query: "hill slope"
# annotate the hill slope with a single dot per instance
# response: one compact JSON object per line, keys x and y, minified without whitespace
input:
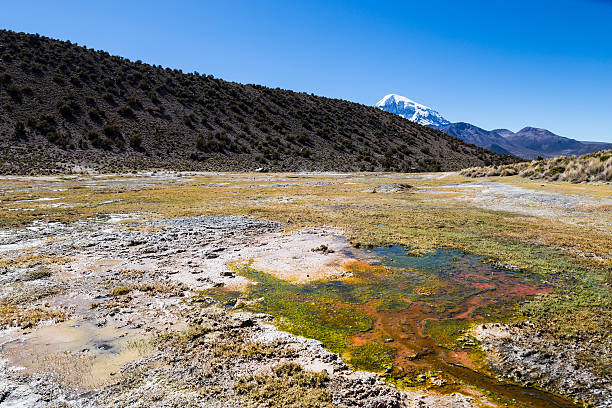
{"x":63,"y":105}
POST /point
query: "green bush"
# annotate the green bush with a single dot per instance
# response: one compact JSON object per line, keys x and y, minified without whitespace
{"x":112,"y":131}
{"x":65,"y":110}
{"x":136,"y":141}
{"x":20,"y":132}
{"x":557,"y":170}
{"x":125,"y":111}
{"x":14,"y":92}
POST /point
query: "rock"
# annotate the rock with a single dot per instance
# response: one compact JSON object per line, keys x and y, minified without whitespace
{"x":390,"y":188}
{"x":323,"y":249}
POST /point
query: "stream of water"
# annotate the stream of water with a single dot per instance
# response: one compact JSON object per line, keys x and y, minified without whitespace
{"x":415,"y":305}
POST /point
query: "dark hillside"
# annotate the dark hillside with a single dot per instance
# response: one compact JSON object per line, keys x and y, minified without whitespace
{"x":63,"y":106}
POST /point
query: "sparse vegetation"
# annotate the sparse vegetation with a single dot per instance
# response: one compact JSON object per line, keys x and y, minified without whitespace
{"x":12,"y":315}
{"x":154,"y":288}
{"x":35,"y":274}
{"x":286,"y":385}
{"x":572,"y":259}
{"x":120,"y":291}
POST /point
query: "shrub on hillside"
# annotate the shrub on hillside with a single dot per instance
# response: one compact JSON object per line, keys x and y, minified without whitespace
{"x":125,"y":111}
{"x":111,"y":130}
{"x":136,"y":141}
{"x":20,"y":131}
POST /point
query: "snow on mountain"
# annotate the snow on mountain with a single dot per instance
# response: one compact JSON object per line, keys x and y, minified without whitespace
{"x":411,"y":110}
{"x":528,"y":142}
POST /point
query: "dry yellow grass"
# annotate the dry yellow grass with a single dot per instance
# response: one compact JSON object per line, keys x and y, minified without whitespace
{"x":588,"y":168}
{"x":32,"y":260}
{"x":417,"y":220}
{"x":26,"y":317}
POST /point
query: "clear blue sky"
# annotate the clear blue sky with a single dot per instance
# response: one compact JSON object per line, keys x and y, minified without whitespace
{"x":492,"y":63}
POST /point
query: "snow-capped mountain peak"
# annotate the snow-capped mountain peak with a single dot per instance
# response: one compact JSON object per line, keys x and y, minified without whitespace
{"x":411,"y":110}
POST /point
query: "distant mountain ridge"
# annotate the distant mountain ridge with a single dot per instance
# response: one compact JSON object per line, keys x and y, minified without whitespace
{"x":529,"y":142}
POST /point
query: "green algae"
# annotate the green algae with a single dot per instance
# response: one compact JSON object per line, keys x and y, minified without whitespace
{"x":446,"y":332}
{"x":335,"y":311}
{"x":372,"y":356}
{"x":302,"y":310}
{"x":382,"y":320}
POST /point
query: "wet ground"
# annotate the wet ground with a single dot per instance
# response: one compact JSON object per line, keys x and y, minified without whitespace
{"x":115,"y":280}
{"x":405,"y":306}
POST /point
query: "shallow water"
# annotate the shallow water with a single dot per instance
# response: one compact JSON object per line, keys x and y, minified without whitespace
{"x":415,"y":307}
{"x":82,"y":354}
{"x":471,"y":291}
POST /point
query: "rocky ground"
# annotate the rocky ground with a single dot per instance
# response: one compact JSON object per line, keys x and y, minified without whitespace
{"x":531,"y":356}
{"x":120,"y":321}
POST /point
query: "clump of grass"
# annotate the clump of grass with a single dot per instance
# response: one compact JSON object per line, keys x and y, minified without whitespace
{"x":286,"y":385}
{"x":32,"y":261}
{"x":181,"y":340}
{"x":35,"y":274}
{"x":120,"y":291}
{"x":132,"y":273}
{"x":195,"y":332}
{"x":155,"y":288}
{"x":18,"y":316}
{"x":142,"y":345}
{"x":20,"y":293}
{"x":252,"y":351}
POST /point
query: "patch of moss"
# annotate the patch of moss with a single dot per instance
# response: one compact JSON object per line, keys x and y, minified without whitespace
{"x":303,"y":312}
{"x":422,"y":377}
{"x":372,"y":356}
{"x":446,"y":332}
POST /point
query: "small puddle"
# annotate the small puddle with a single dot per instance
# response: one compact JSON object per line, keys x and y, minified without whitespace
{"x":81,"y":354}
{"x":411,"y":309}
